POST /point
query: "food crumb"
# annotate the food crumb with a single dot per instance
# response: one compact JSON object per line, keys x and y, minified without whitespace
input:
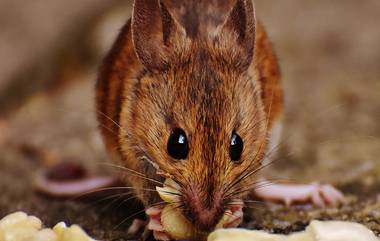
{"x":316,"y":231}
{"x":21,"y":227}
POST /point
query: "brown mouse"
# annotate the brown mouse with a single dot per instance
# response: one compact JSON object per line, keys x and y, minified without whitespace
{"x":191,"y":91}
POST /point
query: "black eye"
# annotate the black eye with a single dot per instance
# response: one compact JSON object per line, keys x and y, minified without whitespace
{"x":178,"y":147}
{"x":236,"y":147}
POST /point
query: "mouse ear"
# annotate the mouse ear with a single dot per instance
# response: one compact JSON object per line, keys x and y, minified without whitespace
{"x":154,"y":32}
{"x":239,"y":29}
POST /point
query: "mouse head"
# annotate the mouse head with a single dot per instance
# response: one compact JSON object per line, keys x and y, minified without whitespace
{"x":196,"y":113}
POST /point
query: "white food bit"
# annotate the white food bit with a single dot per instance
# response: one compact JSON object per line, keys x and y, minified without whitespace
{"x":337,"y":231}
{"x":18,"y":227}
{"x":21,"y":227}
{"x":176,"y":225}
{"x":170,"y":191}
{"x":173,"y":223}
{"x":17,"y":218}
{"x":44,"y":235}
{"x":74,"y":232}
{"x":316,"y":231}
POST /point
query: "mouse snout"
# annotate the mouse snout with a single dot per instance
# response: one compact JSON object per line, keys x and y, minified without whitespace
{"x":204,"y":210}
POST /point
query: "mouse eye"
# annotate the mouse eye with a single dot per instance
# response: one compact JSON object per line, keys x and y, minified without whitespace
{"x":236,"y":147}
{"x":178,"y":147}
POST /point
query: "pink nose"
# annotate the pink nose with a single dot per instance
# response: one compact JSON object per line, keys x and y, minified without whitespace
{"x":207,"y":220}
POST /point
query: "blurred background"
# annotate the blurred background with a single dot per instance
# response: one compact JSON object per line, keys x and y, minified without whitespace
{"x":329,"y":53}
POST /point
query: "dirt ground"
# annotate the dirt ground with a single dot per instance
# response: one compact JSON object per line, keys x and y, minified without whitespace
{"x":329,"y":54}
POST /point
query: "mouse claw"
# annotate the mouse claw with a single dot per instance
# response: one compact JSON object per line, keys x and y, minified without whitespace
{"x":235,"y":220}
{"x":233,"y":217}
{"x":314,"y":193}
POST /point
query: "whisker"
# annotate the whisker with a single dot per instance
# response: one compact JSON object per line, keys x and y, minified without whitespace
{"x":110,"y":189}
{"x":245,"y":175}
{"x":237,"y":180}
{"x":109,"y":129}
{"x":126,"y":200}
{"x":254,"y":207}
{"x":156,"y":204}
{"x":137,"y":213}
{"x":127,"y":219}
{"x":255,"y":185}
{"x":109,"y":205}
{"x":256,"y":170}
{"x":262,"y":185}
{"x":172,"y":193}
{"x":110,"y":119}
{"x":138,"y":174}
{"x":134,"y":173}
{"x":254,"y":201}
{"x":110,"y":197}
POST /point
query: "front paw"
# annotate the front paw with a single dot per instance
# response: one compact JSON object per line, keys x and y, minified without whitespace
{"x":155,"y":224}
{"x":233,"y":217}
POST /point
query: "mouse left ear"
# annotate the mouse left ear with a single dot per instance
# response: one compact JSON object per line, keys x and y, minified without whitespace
{"x":154,"y":33}
{"x":239,"y":29}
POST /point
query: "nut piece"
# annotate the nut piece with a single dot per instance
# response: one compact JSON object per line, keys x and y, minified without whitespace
{"x":18,"y":226}
{"x":243,"y":235}
{"x":44,"y":235}
{"x":169,"y":193}
{"x":173,"y":222}
{"x":177,"y":226}
{"x":21,"y":227}
{"x":72,"y":233}
{"x":338,"y":230}
{"x":316,"y":231}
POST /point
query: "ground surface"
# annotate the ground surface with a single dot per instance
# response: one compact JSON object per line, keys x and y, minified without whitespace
{"x":330,"y":59}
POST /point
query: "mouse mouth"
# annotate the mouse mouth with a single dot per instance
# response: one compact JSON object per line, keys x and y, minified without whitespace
{"x":208,"y":220}
{"x":205,"y":220}
{"x":186,"y":215}
{"x":203,"y":217}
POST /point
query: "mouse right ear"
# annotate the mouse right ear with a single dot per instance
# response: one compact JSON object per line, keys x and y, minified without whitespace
{"x":154,"y":33}
{"x":239,"y":29}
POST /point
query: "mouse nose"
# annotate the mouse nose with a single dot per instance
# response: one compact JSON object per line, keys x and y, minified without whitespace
{"x":204,"y":211}
{"x":207,"y":219}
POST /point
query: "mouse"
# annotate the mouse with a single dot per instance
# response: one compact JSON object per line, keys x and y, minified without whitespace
{"x":191,"y":91}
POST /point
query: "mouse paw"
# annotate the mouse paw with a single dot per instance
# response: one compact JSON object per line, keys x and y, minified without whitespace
{"x":233,"y":216}
{"x":314,"y":193}
{"x":155,"y":225}
{"x":136,"y":226}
